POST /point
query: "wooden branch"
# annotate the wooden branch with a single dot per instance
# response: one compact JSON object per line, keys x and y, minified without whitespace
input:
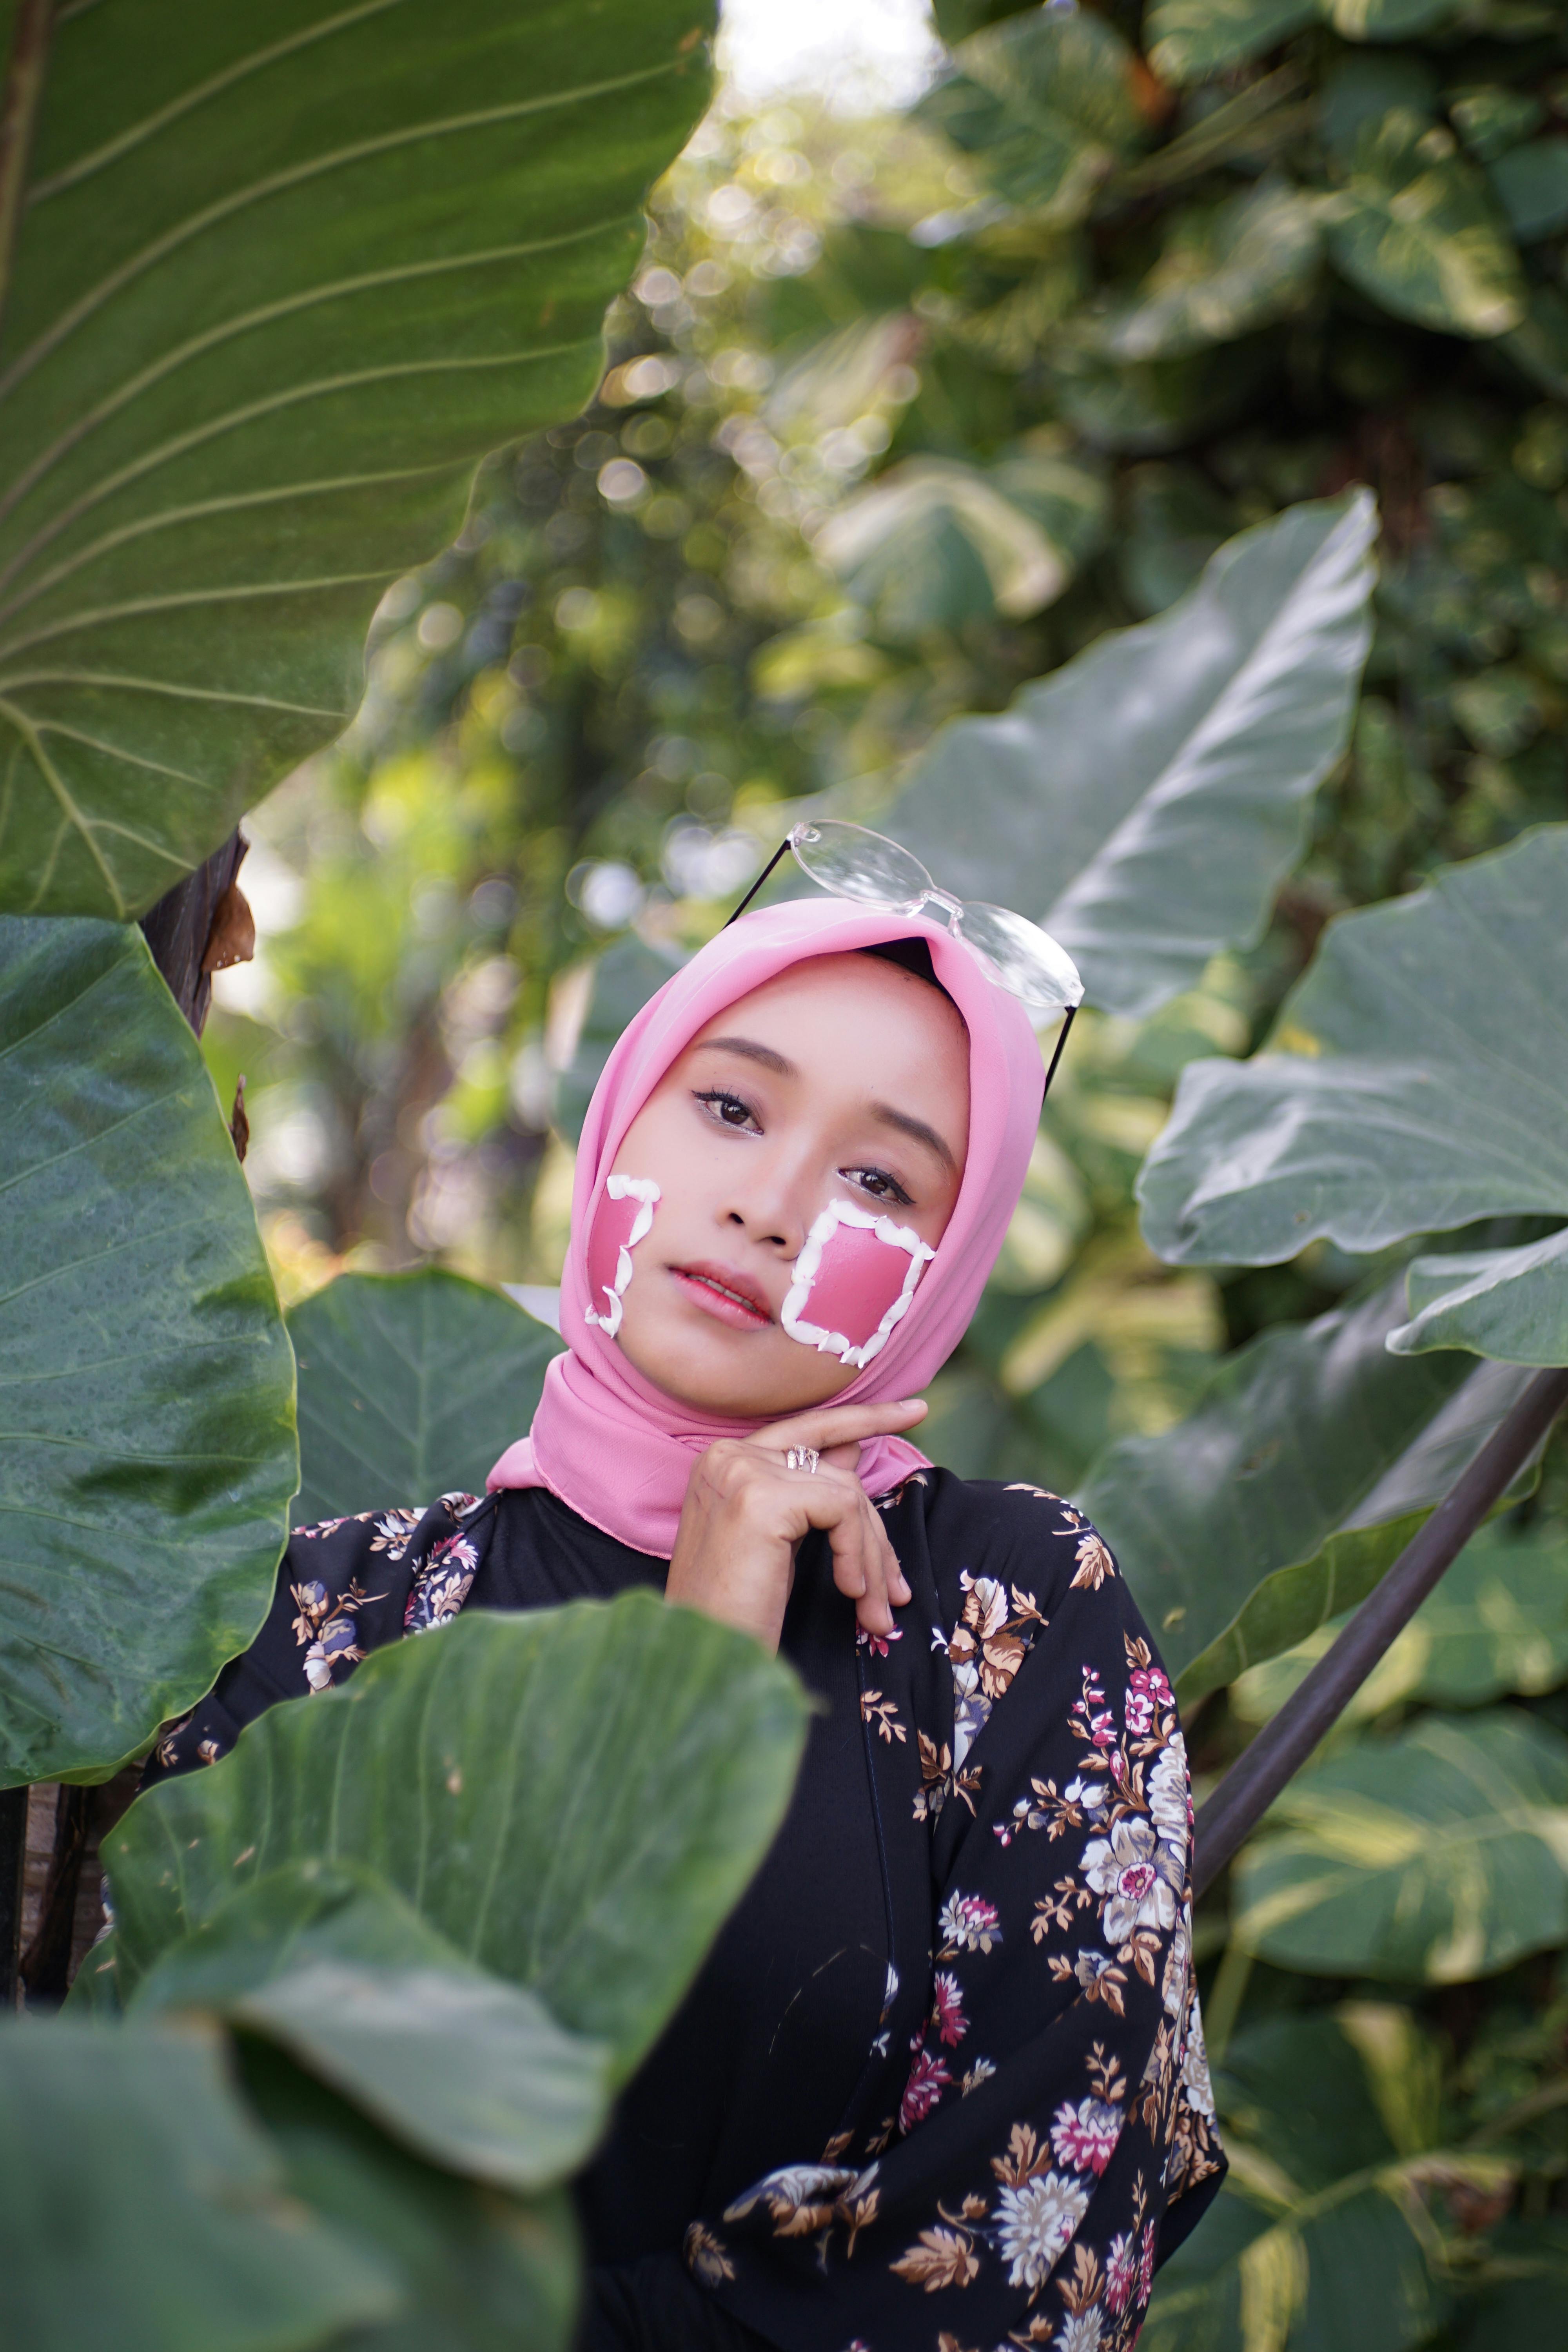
{"x":1283,"y":1745}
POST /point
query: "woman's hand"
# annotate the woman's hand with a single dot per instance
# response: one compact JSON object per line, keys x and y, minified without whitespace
{"x":745,"y":1514}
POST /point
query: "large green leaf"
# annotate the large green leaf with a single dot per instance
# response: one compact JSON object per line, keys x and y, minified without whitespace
{"x":475,"y":2270}
{"x":935,"y":542}
{"x":1497,"y":1623}
{"x":1532,"y":182}
{"x":1318,"y":2242}
{"x":140,"y":2206}
{"x":574,"y":1798}
{"x":1225,"y":270}
{"x":1416,"y":226}
{"x":148,"y":1451}
{"x":1284,"y":1496}
{"x":1189,"y":40}
{"x":331,"y":1963}
{"x":1044,"y":101}
{"x":1416,"y":1080}
{"x":410,"y":1385}
{"x":1144,"y":800}
{"x":281,"y":278}
{"x":1442,"y":1853}
{"x":1510,"y":1303}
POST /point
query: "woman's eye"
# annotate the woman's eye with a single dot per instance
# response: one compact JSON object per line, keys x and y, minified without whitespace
{"x":878,"y":1184}
{"x":728,"y":1109}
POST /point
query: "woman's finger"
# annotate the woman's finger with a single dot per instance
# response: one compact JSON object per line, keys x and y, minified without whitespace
{"x":841,"y":1424}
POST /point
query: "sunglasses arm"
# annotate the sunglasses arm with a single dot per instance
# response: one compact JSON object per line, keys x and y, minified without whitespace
{"x":1068,"y":1019}
{"x":757,"y":884}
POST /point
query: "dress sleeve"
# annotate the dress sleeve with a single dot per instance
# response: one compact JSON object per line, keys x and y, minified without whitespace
{"x":1055,"y":2129}
{"x":344,"y":1588}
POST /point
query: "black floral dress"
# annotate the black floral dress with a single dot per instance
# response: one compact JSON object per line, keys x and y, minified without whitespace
{"x":941,"y":2086}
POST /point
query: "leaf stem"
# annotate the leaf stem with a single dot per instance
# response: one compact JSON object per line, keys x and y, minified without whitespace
{"x":1283,"y":1746}
{"x":20,"y":101}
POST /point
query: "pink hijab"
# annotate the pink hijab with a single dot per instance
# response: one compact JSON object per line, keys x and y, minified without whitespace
{"x":610,"y":1444}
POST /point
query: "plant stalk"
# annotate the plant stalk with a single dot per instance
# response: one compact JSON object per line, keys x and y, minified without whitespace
{"x":20,"y":101}
{"x":1283,"y":1745}
{"x":13,"y":1853}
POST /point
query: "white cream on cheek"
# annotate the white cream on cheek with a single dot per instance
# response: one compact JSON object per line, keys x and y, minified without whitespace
{"x":622,"y":1218}
{"x":853,"y":1282}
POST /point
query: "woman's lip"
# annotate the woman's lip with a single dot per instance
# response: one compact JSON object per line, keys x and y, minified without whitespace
{"x":719,"y":1291}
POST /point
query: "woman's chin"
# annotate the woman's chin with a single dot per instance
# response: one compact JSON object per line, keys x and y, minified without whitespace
{"x":707,"y":1369}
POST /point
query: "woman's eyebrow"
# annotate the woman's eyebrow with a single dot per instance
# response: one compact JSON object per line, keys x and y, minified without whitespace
{"x":916,"y":1127}
{"x":753,"y":1052}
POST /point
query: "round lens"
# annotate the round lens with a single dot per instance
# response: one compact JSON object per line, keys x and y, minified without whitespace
{"x":854,"y":863}
{"x":1026,"y":959}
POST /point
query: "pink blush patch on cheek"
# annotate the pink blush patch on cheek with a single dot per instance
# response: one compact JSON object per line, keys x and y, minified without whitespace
{"x":853,"y":1283}
{"x":622,"y":1218}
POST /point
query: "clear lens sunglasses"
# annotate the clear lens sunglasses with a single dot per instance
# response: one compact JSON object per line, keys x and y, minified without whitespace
{"x":852,"y":862}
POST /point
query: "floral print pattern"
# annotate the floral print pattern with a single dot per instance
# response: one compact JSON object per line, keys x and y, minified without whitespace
{"x":1034,"y":2123}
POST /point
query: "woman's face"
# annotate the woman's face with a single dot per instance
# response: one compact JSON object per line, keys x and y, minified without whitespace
{"x":846,"y":1078}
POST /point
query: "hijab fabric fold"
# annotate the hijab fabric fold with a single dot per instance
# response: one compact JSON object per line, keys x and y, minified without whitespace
{"x":616,"y":1449}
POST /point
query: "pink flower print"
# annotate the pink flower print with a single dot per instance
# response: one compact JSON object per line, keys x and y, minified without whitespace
{"x":1151,"y":1681}
{"x":1084,"y":2136}
{"x":969,"y":1922}
{"x":929,"y":2078}
{"x":1121,"y":2271}
{"x":1138,"y":1713}
{"x":1146,"y":2265}
{"x":1102,"y":1728}
{"x":947,"y":2010}
{"x":1137,"y":1879}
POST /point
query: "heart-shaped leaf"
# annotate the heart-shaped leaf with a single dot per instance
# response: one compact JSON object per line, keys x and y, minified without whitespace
{"x":1189,"y":40}
{"x":1283,"y":1497}
{"x":453,"y":1766}
{"x":331,"y":1964}
{"x":1416,"y":1080}
{"x":1144,"y":800}
{"x":1225,"y":269}
{"x":410,"y":1384}
{"x":148,"y":1452}
{"x":279,"y":280}
{"x":1416,"y":226}
{"x":1441,"y":1854}
{"x":140,"y":2206}
{"x":1044,"y":102}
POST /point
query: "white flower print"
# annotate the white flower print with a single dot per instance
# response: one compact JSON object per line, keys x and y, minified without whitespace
{"x":968,"y":1922}
{"x":1196,"y":2067}
{"x":1168,"y":1794}
{"x":1178,"y":1963}
{"x":1035,"y":2222}
{"x":1080,"y":2332}
{"x":1138,"y":1878}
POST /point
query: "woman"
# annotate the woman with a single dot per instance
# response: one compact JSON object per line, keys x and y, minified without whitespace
{"x":941,"y":2081}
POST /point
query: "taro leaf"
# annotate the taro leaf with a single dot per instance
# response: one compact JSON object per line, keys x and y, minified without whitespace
{"x":475,"y":2270}
{"x":1416,"y":1080}
{"x":1307,"y":1467}
{"x":410,"y":1385}
{"x":1524,"y":2291}
{"x":331,"y":1963}
{"x":149,"y":1453}
{"x":1044,"y":102}
{"x":1442,"y":1853}
{"x":933,"y":543}
{"x":1532,"y":182}
{"x":1158,"y":405}
{"x":623,"y":980}
{"x":1190,"y":40}
{"x":1225,"y":269}
{"x":1316,"y":2236}
{"x":1509,"y":1303}
{"x":1497,"y":1623}
{"x":281,"y":276}
{"x":1540,"y":347}
{"x":1416,"y":226}
{"x":449,"y":1766}
{"x":141,"y":2207}
{"x":1144,"y":800}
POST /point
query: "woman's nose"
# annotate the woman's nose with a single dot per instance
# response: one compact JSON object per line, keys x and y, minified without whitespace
{"x":772,"y":1204}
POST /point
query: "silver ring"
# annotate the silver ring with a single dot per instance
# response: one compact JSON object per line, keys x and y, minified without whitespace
{"x":802,"y":1457}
